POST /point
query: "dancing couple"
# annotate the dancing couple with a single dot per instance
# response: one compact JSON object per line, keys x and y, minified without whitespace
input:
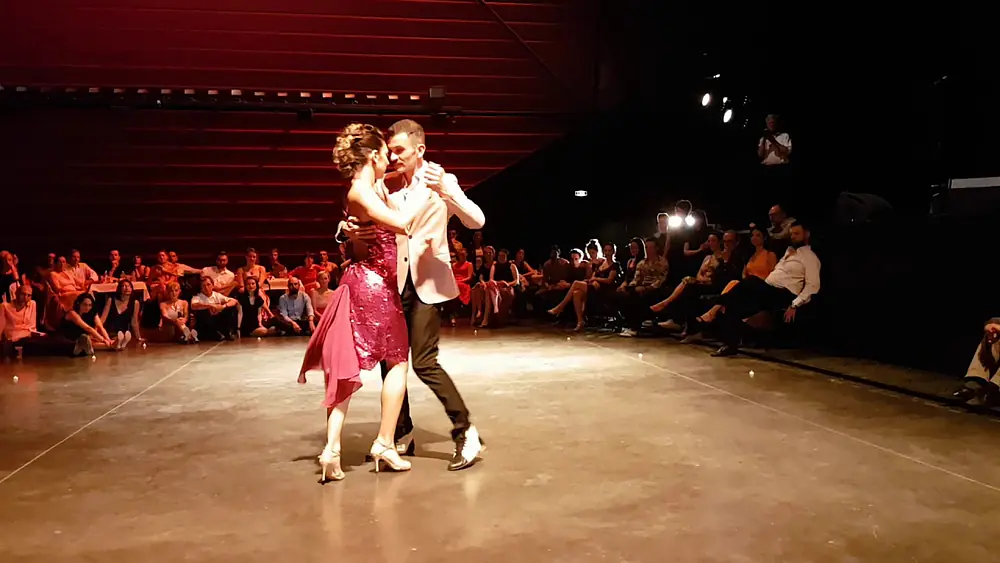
{"x":384,"y":306}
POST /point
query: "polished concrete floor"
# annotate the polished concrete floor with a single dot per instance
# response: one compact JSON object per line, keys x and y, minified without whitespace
{"x":600,"y":449}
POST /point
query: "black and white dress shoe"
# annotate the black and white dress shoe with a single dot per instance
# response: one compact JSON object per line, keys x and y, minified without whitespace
{"x":468,"y":449}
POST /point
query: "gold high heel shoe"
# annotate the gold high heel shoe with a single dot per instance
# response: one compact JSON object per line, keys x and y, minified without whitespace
{"x":330,"y":459}
{"x":381,"y":452}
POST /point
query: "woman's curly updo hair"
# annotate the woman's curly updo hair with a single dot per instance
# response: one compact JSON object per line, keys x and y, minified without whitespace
{"x":355,"y":146}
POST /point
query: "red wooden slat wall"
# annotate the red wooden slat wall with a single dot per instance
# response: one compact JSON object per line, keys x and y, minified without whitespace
{"x":199,"y":180}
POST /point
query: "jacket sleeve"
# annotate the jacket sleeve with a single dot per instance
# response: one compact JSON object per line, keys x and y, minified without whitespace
{"x":460,"y":205}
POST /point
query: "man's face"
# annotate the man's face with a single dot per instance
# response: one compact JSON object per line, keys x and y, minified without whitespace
{"x":114,"y":256}
{"x":308,"y":260}
{"x":324,"y":257}
{"x":477,"y":237}
{"x":798,"y":236}
{"x":74,"y":258}
{"x":405,"y":156}
{"x":24,"y":294}
{"x":729,"y":241}
{"x":776,"y":215}
{"x":771,"y":123}
{"x":452,"y":235}
{"x":661,"y":223}
{"x":173,"y":256}
{"x":575,"y":259}
{"x":52,"y":259}
{"x":161,"y":258}
{"x":221,"y":262}
{"x":251,"y":258}
{"x":274,"y":256}
{"x":207,"y":285}
{"x":293,"y":286}
{"x":554,"y":254}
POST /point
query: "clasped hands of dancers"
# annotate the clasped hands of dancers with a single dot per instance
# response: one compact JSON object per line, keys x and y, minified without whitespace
{"x":383,"y":311}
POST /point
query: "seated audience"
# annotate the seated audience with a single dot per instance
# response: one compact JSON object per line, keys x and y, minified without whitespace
{"x":701,"y":283}
{"x":792,"y":284}
{"x":982,"y":379}
{"x":65,"y":290}
{"x":454,"y":245}
{"x":253,"y":309}
{"x":462,"y":269}
{"x":161,"y":274}
{"x":82,"y":328}
{"x":121,"y":315}
{"x":251,"y":270}
{"x":223,"y":279}
{"x":179,"y":268}
{"x":295,"y":311}
{"x":10,"y":277}
{"x":763,"y":260}
{"x":20,"y":326}
{"x":555,"y":274}
{"x":306,"y":273}
{"x":500,"y":289}
{"x":81,"y":272}
{"x":330,"y":267}
{"x":278,"y":270}
{"x":644,"y":289}
{"x":139,"y":272}
{"x":600,"y":283}
{"x":478,"y":292}
{"x":478,"y":250}
{"x":175,"y":318}
{"x":321,"y":294}
{"x":524,"y":269}
{"x":114,"y":270}
{"x":215,"y":315}
{"x":779,"y":233}
{"x":637,"y":253}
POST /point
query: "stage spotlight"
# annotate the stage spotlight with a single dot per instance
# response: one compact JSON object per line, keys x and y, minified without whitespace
{"x":727,"y":116}
{"x":688,"y":220}
{"x":706,"y":99}
{"x":725,"y":99}
{"x":674,"y":222}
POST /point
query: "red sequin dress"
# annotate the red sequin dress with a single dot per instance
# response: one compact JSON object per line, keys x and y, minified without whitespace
{"x":377,"y":319}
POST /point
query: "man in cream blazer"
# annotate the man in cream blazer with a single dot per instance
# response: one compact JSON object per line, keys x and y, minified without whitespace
{"x":425,"y":278}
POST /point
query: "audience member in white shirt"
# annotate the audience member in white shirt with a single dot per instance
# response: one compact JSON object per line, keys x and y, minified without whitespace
{"x":81,"y":272}
{"x":791,"y":285}
{"x":215,"y":315}
{"x":775,"y":146}
{"x":222,"y":277}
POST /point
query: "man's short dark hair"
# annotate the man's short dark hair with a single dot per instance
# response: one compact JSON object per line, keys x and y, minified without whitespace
{"x":661,"y":215}
{"x":576,"y":251}
{"x":411,"y":128}
{"x":555,"y":248}
{"x":684,"y":204}
{"x":221,"y":253}
{"x":803,"y":224}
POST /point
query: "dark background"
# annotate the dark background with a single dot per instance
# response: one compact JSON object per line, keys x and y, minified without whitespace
{"x":876,"y":100}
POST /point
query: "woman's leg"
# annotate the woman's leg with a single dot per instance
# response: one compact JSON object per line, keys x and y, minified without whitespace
{"x":666,"y":302}
{"x":579,"y":305}
{"x":577,"y":285}
{"x":393,"y":390}
{"x":330,"y":458}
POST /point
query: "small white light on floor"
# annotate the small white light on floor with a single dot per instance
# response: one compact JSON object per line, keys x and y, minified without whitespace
{"x":143,"y":345}
{"x":640,"y":355}
{"x":94,"y":358}
{"x":258,"y":338}
{"x":567,"y":339}
{"x":475,"y":332}
{"x":15,"y":379}
{"x":751,"y":373}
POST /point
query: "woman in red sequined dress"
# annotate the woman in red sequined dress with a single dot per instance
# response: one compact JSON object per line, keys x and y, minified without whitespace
{"x":368,"y":295}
